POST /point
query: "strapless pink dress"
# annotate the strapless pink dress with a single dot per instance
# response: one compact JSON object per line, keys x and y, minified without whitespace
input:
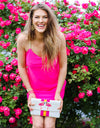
{"x":43,"y":81}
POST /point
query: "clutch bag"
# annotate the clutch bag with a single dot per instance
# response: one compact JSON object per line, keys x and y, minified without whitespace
{"x":45,"y":108}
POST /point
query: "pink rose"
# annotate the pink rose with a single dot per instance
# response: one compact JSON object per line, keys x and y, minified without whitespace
{"x":25,"y":17}
{"x":85,"y":5}
{"x":98,"y":89}
{"x":6,"y":111}
{"x":10,"y":17}
{"x":8,"y":44}
{"x":2,"y":6}
{"x":12,"y":76}
{"x":5,"y":76}
{"x":92,"y":50}
{"x":76,"y":99}
{"x":0,"y":74}
{"x":14,"y":49}
{"x":8,"y":67}
{"x":1,"y":19}
{"x":99,"y":79}
{"x":0,"y":99}
{"x":4,"y":45}
{"x":89,"y":93}
{"x":18,"y":30}
{"x":16,"y":18}
{"x":18,"y":79}
{"x":1,"y":31}
{"x":8,"y":22}
{"x":95,"y":13}
{"x":84,"y":50}
{"x":77,"y":49}
{"x":12,"y":120}
{"x":1,"y":108}
{"x":81,"y":95}
{"x":88,"y":42}
{"x":85,"y":67}
{"x":15,"y":98}
{"x":10,"y":6}
{"x":67,"y":51}
{"x":1,"y":63}
{"x":18,"y":111}
{"x":14,"y":62}
{"x":94,"y":41}
{"x":2,"y":24}
{"x":93,"y":3}
{"x":4,"y":88}
{"x":6,"y":36}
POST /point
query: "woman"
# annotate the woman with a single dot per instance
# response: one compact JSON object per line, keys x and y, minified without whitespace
{"x":42,"y":60}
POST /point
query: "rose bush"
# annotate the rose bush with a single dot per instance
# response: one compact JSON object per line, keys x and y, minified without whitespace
{"x":81,"y":27}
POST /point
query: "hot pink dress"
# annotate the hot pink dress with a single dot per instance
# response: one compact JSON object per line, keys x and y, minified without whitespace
{"x":43,"y":81}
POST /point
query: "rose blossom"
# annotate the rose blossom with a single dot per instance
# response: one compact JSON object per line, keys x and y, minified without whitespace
{"x":92,"y":50}
{"x":4,"y":88}
{"x":89,"y":93}
{"x":5,"y":76}
{"x":77,"y":49}
{"x":8,"y":67}
{"x":2,"y":24}
{"x":98,"y":89}
{"x":14,"y":62}
{"x":85,"y":67}
{"x":18,"y":79}
{"x":85,"y":5}
{"x":1,"y":108}
{"x":81,"y":95}
{"x":1,"y":63}
{"x":6,"y":111}
{"x":0,"y":74}
{"x":12,"y":120}
{"x":14,"y":49}
{"x":18,"y":30}
{"x":99,"y":79}
{"x":8,"y":22}
{"x":0,"y":99}
{"x":18,"y":111}
{"x":2,"y":6}
{"x":12,"y":76}
{"x":76,"y":99}
{"x":6,"y":36}
{"x":84,"y":50}
{"x":93,"y":3}
{"x":4,"y":45}
{"x":15,"y":98}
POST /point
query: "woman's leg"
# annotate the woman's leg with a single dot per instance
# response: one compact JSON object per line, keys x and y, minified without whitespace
{"x":49,"y":122}
{"x":37,"y":121}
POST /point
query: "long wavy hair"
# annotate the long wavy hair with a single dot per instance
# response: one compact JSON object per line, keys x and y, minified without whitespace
{"x":51,"y":37}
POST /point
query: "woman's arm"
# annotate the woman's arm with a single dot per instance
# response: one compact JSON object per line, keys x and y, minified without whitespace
{"x":62,"y":64}
{"x":63,"y":70}
{"x":21,"y":61}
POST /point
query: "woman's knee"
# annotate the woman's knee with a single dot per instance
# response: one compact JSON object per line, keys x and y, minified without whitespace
{"x":37,"y":122}
{"x":49,"y":122}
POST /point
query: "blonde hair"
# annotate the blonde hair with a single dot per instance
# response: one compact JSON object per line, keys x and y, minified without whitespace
{"x":51,"y":37}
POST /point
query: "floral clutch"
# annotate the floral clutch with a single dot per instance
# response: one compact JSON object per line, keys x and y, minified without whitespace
{"x":45,"y":108}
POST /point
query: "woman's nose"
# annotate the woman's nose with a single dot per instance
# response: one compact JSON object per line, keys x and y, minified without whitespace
{"x":41,"y":19}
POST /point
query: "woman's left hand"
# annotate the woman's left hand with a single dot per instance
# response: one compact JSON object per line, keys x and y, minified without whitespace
{"x":58,"y":97}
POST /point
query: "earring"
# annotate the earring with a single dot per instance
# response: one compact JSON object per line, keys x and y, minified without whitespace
{"x":32,"y":28}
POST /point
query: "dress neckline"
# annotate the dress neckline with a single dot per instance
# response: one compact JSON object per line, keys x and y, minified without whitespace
{"x":33,"y":52}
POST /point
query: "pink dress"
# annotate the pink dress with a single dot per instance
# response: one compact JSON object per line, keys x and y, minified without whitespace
{"x":43,"y":81}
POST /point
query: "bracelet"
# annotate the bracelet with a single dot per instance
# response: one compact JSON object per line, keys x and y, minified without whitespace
{"x":31,"y":91}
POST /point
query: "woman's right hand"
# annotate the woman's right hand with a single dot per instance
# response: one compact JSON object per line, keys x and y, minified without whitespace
{"x":32,"y":95}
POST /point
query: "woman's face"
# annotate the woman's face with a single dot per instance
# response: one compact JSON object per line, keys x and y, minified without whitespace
{"x":40,"y":20}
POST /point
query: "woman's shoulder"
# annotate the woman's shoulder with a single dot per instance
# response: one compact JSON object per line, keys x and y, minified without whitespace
{"x":61,"y":35}
{"x":22,"y":37}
